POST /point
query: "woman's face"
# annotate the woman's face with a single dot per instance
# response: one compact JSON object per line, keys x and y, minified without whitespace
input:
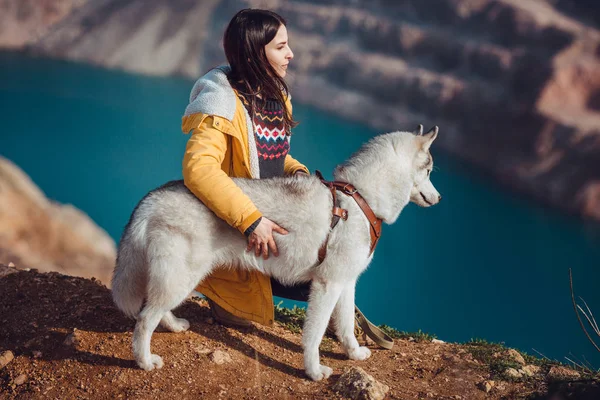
{"x":278,"y":52}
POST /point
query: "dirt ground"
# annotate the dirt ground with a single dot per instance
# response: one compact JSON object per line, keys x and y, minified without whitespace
{"x":70,"y":342}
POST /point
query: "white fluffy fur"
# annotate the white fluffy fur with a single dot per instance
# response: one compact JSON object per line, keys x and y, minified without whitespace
{"x":173,"y":241}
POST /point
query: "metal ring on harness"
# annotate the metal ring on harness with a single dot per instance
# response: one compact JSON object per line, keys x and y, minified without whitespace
{"x":345,"y":189}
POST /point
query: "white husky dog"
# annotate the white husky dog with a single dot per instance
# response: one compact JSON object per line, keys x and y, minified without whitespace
{"x":173,"y":241}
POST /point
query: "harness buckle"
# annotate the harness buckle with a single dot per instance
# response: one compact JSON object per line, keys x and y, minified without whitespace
{"x":348,"y":191}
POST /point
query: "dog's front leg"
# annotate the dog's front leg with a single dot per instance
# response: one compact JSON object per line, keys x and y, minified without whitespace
{"x":322,"y":300}
{"x":343,"y":319}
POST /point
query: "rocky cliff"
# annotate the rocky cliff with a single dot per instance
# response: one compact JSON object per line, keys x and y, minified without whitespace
{"x":513,"y":84}
{"x":39,"y":233}
{"x":26,"y":21}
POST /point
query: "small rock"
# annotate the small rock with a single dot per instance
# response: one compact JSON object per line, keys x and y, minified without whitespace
{"x":516,"y":356}
{"x":513,"y":373}
{"x":220,"y":357}
{"x":557,"y":373}
{"x":36,"y":354}
{"x":451,"y":357}
{"x":11,"y":264}
{"x":72,"y":339}
{"x":5,"y":358}
{"x":202,"y":350}
{"x":486,"y":386}
{"x":356,"y":384}
{"x":437,"y":341}
{"x":530,"y":370}
{"x":21,"y":379}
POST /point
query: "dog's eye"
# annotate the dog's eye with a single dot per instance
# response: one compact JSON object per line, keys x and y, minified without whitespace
{"x":428,"y":172}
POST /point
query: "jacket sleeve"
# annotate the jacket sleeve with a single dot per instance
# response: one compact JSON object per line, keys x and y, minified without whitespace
{"x":203,"y":176}
{"x":291,"y":165}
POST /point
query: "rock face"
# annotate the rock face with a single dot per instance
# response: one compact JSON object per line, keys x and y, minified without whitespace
{"x":37,"y":233}
{"x":513,"y":84}
{"x":157,"y":37}
{"x":26,"y":21}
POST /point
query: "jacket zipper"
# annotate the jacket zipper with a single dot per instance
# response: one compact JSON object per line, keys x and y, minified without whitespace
{"x":230,"y":155}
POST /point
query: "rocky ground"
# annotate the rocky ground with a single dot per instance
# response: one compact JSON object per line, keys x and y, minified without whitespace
{"x":61,"y":337}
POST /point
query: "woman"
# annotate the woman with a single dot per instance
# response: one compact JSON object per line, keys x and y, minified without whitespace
{"x":240,"y":121}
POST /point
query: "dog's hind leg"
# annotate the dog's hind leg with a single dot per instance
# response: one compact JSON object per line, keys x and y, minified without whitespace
{"x":343,"y":318}
{"x":322,"y":300}
{"x":170,"y":280}
{"x":158,"y":308}
{"x":147,"y":321}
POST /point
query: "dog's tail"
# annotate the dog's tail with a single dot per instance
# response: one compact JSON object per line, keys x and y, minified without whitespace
{"x":130,"y":275}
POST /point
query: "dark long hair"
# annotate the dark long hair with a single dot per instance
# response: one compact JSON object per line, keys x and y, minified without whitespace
{"x":246,"y":36}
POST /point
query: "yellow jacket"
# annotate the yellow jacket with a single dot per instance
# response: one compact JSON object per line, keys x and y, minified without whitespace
{"x":221,"y":146}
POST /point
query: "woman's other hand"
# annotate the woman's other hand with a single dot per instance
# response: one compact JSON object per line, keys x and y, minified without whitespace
{"x":261,"y":239}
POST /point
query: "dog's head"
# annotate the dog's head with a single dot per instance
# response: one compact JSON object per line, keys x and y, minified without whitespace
{"x":391,"y":170}
{"x":423,"y":193}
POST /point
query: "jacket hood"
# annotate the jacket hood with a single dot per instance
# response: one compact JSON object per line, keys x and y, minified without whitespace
{"x":212,"y":94}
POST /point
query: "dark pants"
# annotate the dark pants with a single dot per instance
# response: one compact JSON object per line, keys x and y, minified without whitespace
{"x":298,"y":292}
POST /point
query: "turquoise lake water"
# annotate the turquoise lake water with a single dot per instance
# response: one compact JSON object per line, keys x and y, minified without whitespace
{"x":481,"y":264}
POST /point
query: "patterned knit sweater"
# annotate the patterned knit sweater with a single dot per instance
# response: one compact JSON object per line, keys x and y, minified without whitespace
{"x":272,"y":144}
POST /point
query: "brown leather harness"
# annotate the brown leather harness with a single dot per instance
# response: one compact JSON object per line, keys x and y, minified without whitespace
{"x":338,"y":212}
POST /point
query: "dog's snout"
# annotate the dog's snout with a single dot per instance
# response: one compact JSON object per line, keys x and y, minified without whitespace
{"x":439,"y":198}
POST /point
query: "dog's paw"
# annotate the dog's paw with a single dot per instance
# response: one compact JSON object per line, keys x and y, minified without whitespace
{"x":175,"y":324}
{"x":154,"y":362}
{"x":321,"y":372}
{"x":180,"y":325}
{"x":359,"y":353}
{"x":157,"y":361}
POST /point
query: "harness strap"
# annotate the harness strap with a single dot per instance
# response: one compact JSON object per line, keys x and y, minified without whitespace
{"x":349,"y":190}
{"x":337,"y":213}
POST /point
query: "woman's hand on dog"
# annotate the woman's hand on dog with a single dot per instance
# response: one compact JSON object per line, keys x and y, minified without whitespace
{"x":261,"y":239}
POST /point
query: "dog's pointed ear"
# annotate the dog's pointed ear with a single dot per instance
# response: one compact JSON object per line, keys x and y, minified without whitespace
{"x":429,"y":137}
{"x":419,"y":130}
